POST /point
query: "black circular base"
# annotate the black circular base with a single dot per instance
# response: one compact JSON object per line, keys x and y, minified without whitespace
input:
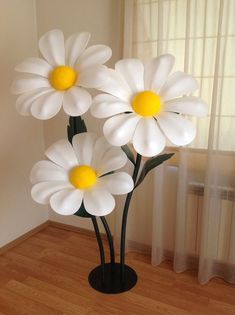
{"x":112,"y":283}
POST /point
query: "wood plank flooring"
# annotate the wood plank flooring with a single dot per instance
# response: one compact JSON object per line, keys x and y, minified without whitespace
{"x":47,"y":275}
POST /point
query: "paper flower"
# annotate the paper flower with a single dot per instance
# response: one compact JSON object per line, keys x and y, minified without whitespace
{"x":76,"y":173}
{"x":146,"y":104}
{"x":59,"y":79}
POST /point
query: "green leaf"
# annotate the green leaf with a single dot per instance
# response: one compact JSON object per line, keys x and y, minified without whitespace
{"x":76,"y":125}
{"x":82,"y":212}
{"x":151,"y":164}
{"x":129,"y":153}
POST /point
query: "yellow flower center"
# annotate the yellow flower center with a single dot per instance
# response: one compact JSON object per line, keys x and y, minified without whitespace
{"x":82,"y":177}
{"x":63,"y":78}
{"x":147,"y":103}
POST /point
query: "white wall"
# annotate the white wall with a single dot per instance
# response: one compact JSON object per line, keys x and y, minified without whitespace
{"x":21,"y":139}
{"x":103,"y":19}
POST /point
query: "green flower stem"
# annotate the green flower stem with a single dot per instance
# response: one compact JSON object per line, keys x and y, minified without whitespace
{"x":100,"y":244}
{"x":110,"y":240}
{"x":124,"y":217}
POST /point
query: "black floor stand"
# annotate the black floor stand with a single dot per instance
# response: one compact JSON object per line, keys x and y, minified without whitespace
{"x":113,"y":278}
{"x":112,"y":283}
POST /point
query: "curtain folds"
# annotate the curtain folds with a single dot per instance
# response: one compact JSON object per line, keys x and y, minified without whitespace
{"x":186,"y":207}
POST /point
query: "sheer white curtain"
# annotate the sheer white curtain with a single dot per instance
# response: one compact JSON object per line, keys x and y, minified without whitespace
{"x":189,"y":201}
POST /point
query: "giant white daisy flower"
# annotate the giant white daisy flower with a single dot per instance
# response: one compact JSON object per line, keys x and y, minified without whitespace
{"x":146,"y":104}
{"x":75,"y":173}
{"x":60,"y":78}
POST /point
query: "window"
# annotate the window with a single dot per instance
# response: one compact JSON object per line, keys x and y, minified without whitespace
{"x":201,"y":35}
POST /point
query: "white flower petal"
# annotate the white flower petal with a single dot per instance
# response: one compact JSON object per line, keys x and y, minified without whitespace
{"x":148,"y":140}
{"x":118,"y":183}
{"x":93,"y":77}
{"x":35,"y":66}
{"x":105,"y":105}
{"x":113,"y":159}
{"x":188,"y":105}
{"x":44,"y":171}
{"x":101,"y":146}
{"x":157,"y":71}
{"x":132,"y":71}
{"x":119,"y":129}
{"x":94,"y":55}
{"x":29,"y":83}
{"x":98,"y":201}
{"x":76,"y":101}
{"x":178,"y":84}
{"x":42,"y":192}
{"x":52,"y":47}
{"x":67,"y":201}
{"x":83,"y":145}
{"x":178,"y":130}
{"x":74,"y":47}
{"x":62,"y":153}
{"x":24,"y":101}
{"x":47,"y":105}
{"x":116,"y":86}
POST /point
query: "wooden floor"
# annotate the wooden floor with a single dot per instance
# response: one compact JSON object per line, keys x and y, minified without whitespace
{"x":47,"y":275}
